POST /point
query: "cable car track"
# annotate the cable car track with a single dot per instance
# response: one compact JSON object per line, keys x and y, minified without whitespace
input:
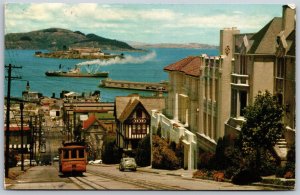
{"x":147,"y":185}
{"x":87,"y":184}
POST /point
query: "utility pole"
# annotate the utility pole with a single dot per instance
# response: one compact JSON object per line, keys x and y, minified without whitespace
{"x":22,"y":137}
{"x":7,"y":132}
{"x":31,"y":140}
{"x":34,"y":135}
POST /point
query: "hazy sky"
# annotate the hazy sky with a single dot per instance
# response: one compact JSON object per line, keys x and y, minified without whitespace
{"x":151,"y":23}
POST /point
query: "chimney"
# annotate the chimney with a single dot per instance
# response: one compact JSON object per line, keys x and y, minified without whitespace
{"x":288,"y":18}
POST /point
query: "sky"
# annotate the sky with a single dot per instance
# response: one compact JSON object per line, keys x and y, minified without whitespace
{"x":150,"y":23}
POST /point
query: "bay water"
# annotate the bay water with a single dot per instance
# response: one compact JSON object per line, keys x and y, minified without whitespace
{"x":137,"y":66}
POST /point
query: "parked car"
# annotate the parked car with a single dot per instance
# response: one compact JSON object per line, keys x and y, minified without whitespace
{"x":27,"y":163}
{"x":90,"y":162}
{"x":127,"y":164}
{"x":99,"y":161}
{"x":94,"y":162}
{"x":56,"y":158}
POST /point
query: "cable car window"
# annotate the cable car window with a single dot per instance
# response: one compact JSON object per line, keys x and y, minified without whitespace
{"x":66,"y":154}
{"x":73,"y":153}
{"x":81,"y":153}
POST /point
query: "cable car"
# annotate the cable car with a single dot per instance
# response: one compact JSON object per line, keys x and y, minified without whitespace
{"x":72,"y":158}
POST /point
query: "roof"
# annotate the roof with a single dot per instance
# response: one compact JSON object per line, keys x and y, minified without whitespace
{"x":292,"y":38}
{"x":264,"y":40}
{"x":129,"y":109}
{"x":18,"y":128}
{"x":190,"y":66}
{"x":90,"y":121}
{"x":149,"y":103}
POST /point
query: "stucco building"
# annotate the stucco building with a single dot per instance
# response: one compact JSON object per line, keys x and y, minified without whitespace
{"x":207,"y":95}
{"x":266,"y":61}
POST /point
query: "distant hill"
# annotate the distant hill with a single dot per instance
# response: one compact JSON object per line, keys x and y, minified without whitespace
{"x":60,"y":39}
{"x":172,"y":45}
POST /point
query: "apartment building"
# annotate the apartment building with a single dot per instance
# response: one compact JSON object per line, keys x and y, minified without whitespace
{"x":207,"y":95}
{"x":265,"y":61}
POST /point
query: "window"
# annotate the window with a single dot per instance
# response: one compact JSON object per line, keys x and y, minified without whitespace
{"x":279,"y":98}
{"x":233,"y":102}
{"x":280,"y":68}
{"x":139,"y":113}
{"x":210,"y":89}
{"x":66,"y":154}
{"x":216,"y":89}
{"x":81,"y":153}
{"x":73,"y":153}
{"x":243,"y":102}
{"x":205,"y":88}
{"x":243,"y":65}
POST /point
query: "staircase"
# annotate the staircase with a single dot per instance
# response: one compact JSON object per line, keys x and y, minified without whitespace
{"x":281,"y":150}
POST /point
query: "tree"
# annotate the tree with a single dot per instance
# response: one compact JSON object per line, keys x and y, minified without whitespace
{"x":143,"y":152}
{"x":111,"y":154}
{"x":263,"y":125}
{"x":163,"y":156}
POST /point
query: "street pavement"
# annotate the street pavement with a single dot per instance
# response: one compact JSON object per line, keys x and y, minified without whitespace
{"x":16,"y":174}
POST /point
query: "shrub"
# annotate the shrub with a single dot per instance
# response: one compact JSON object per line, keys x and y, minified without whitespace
{"x":219,"y":176}
{"x":289,"y":175}
{"x":179,"y":151}
{"x":143,"y":152}
{"x":230,"y":172}
{"x":202,"y":174}
{"x":280,"y":171}
{"x":163,"y":156}
{"x":268,"y":164}
{"x":245,"y":177}
{"x":206,"y":161}
{"x":111,"y":153}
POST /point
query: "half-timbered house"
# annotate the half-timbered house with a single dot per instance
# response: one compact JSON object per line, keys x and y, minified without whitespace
{"x":133,"y":119}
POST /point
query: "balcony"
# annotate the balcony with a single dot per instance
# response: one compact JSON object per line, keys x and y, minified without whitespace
{"x":239,"y":80}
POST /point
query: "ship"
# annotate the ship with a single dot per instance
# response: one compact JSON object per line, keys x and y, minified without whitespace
{"x":76,"y":72}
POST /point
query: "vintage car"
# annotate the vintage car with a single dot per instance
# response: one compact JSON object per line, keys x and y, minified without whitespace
{"x":127,"y":164}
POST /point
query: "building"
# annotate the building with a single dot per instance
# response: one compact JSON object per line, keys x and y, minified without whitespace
{"x":15,"y":138}
{"x":93,"y":132}
{"x":31,"y":96}
{"x":78,"y":111}
{"x":133,"y":119}
{"x":266,"y":61}
{"x":207,"y":95}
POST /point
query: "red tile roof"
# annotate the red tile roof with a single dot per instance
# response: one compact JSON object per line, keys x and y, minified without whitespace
{"x":91,"y":120}
{"x":189,"y":66}
{"x":87,"y":123}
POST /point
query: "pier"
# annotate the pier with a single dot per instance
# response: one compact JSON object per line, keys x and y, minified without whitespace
{"x":145,"y":86}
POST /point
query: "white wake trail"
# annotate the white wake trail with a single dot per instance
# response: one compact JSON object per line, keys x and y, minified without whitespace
{"x":128,"y":59}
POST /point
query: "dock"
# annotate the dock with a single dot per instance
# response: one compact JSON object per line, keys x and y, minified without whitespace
{"x":145,"y":86}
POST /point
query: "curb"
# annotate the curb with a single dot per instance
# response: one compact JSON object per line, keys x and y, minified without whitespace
{"x":174,"y":174}
{"x":148,"y":171}
{"x":274,"y":186}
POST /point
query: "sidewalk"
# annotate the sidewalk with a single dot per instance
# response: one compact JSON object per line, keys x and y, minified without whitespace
{"x":13,"y":173}
{"x":179,"y":172}
{"x":188,"y":174}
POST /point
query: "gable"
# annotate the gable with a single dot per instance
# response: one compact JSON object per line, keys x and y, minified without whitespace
{"x":131,"y":109}
{"x":264,"y":40}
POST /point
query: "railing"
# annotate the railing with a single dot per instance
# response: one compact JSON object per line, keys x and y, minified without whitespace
{"x":239,"y":80}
